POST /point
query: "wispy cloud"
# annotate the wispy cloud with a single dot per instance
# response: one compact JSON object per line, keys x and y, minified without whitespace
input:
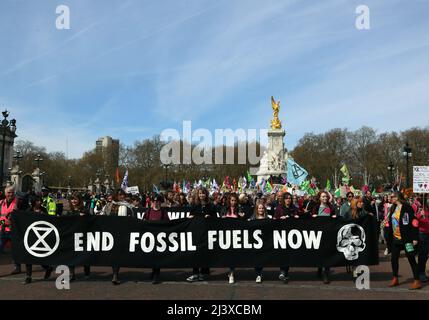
{"x":135,"y":68}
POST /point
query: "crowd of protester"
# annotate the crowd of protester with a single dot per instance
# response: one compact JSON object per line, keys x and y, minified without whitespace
{"x":403,"y":224}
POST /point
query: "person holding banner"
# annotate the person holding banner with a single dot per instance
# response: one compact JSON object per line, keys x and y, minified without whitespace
{"x":233,"y":212}
{"x":136,"y":207}
{"x":156,"y":213}
{"x":182,"y":200}
{"x":7,"y":207}
{"x":169,"y":200}
{"x":260,"y":213}
{"x":202,"y":208}
{"x":220,"y":203}
{"x":278,"y":201}
{"x":77,"y":209}
{"x":284,"y":210}
{"x":404,"y":232}
{"x":323,"y":208}
{"x":36,"y":207}
{"x":308,"y":205}
{"x":244,"y":206}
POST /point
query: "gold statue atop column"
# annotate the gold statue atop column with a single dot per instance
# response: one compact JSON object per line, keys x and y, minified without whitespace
{"x":275,"y":123}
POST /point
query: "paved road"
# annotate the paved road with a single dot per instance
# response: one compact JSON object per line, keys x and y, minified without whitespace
{"x":304,"y":284}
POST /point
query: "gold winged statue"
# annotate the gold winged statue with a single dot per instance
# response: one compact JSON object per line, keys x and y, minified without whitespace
{"x":275,"y":123}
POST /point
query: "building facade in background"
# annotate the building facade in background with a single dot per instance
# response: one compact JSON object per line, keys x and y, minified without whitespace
{"x":108,"y":149}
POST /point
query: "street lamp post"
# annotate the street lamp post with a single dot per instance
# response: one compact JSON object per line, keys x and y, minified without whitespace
{"x":18,"y":156}
{"x":5,"y":126}
{"x":407,"y":154}
{"x":38,"y":159}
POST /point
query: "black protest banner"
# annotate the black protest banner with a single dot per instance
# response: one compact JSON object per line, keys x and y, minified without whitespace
{"x":173,"y":213}
{"x":130,"y":242}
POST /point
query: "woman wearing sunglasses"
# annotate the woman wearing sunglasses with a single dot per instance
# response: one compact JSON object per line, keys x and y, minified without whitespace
{"x":403,"y":229}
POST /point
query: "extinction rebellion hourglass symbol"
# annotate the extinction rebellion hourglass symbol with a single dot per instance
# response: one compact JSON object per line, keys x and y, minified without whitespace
{"x":45,"y":244}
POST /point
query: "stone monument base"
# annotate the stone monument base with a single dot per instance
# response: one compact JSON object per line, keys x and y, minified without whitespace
{"x":274,"y":161}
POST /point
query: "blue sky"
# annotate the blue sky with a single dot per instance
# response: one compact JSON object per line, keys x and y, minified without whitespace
{"x":132,"y":68}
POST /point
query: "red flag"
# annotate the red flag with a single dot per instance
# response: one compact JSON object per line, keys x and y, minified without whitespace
{"x":226,"y":183}
{"x":117,"y":177}
{"x":234,"y":184}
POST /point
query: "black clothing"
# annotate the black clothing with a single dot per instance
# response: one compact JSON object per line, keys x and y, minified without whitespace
{"x":368,"y":206}
{"x":247,"y":209}
{"x":76,"y":212}
{"x":309,"y":205}
{"x":397,"y":246}
{"x":204,"y":209}
{"x":409,"y":232}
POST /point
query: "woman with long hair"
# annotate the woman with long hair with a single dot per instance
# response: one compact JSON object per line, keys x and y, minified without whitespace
{"x":323,"y":208}
{"x":202,"y":207}
{"x":182,"y":200}
{"x":260,"y":213}
{"x":77,"y":208}
{"x":232,"y":212}
{"x":285,"y":210}
{"x":404,"y":232}
{"x":358,"y":210}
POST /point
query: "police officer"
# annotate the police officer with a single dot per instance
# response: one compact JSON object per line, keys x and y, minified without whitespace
{"x":48,"y":202}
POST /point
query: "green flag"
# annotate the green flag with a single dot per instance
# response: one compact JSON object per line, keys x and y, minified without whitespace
{"x":305,"y":185}
{"x":328,"y":185}
{"x":312,"y":192}
{"x":240,"y":185}
{"x":208,"y":183}
{"x":249,"y":177}
{"x":337,"y":193}
{"x":268,"y":187}
{"x":345,"y":171}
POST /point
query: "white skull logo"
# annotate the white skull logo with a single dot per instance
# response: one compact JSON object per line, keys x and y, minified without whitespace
{"x":351,"y":241}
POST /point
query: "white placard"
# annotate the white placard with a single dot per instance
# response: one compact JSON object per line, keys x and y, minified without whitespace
{"x":421,"y":179}
{"x":133,"y":190}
